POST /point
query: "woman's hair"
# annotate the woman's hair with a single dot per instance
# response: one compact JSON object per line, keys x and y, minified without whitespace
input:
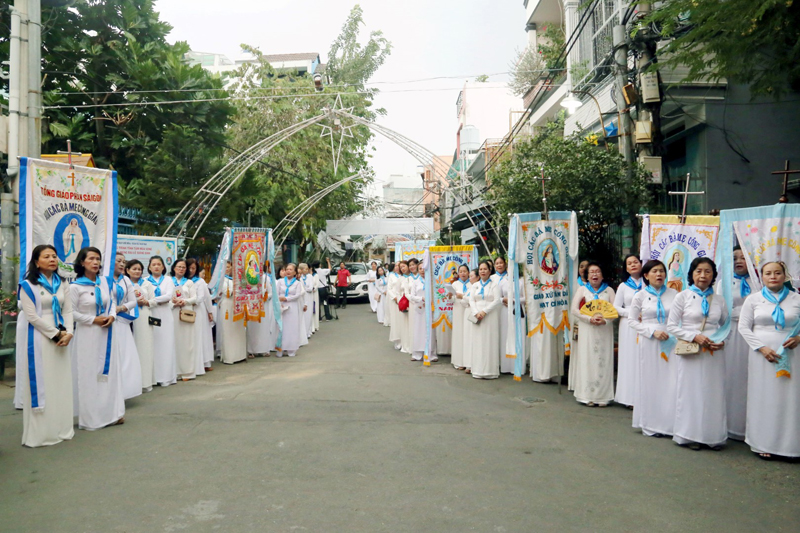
{"x":696,"y":263}
{"x":781,"y":263}
{"x":380,"y":272}
{"x":189,"y":263}
{"x":476,"y":272}
{"x":590,"y":265}
{"x":625,"y":263}
{"x":32,"y":274}
{"x":80,"y":270}
{"x":390,"y":267}
{"x":132,"y":263}
{"x":650,"y":265}
{"x":489,"y":264}
{"x":160,"y":260}
{"x":172,"y":269}
{"x":413,"y":260}
{"x":462,"y":266}
{"x":503,"y":259}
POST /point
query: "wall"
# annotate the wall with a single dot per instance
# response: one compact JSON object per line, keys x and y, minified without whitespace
{"x":766,"y":133}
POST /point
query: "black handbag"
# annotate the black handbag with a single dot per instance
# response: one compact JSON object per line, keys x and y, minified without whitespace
{"x":153,"y":321}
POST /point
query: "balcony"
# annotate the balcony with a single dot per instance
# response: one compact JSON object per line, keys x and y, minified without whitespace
{"x":543,"y":11}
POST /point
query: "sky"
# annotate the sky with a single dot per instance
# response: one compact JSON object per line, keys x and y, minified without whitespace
{"x":452,"y":40}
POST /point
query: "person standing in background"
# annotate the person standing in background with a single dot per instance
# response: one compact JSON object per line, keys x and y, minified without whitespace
{"x":343,"y":280}
{"x":372,"y":277}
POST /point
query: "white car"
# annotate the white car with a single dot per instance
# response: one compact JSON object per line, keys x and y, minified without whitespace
{"x":358,"y":280}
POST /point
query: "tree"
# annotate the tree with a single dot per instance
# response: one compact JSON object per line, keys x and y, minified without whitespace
{"x":302,"y":165}
{"x":112,"y":55}
{"x":742,"y":40}
{"x":582,"y":178}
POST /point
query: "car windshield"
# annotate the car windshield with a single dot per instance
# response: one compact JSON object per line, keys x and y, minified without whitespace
{"x":356,"y":269}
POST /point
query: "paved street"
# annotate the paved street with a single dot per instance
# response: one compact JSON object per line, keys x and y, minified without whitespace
{"x":351,"y":436}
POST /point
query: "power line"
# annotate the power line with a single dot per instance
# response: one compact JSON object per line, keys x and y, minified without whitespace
{"x":339,"y":85}
{"x":238,"y":98}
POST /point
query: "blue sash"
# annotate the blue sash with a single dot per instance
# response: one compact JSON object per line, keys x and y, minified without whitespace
{"x":597,"y":292}
{"x":105,"y":361}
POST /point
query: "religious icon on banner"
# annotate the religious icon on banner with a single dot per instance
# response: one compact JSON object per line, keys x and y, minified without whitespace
{"x":446,"y":260}
{"x":545,"y":245}
{"x":677,"y":245}
{"x":70,"y":207}
{"x":248,"y":250}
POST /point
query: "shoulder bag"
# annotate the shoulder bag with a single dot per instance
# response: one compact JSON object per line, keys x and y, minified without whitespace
{"x":186,"y":316}
{"x":692,"y":348}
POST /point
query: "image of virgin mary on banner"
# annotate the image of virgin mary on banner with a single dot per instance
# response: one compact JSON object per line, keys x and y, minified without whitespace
{"x":248,"y":256}
{"x":677,"y":245}
{"x":445,"y":261}
{"x":70,"y":207}
{"x":547,"y":250}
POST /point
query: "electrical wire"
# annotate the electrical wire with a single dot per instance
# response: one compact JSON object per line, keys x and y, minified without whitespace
{"x":327,"y":86}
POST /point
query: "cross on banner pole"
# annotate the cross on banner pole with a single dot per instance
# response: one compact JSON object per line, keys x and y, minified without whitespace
{"x":545,"y":214}
{"x":686,"y":193}
{"x":784,"y":199}
{"x":70,"y":153}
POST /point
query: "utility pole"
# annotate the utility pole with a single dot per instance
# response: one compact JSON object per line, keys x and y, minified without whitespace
{"x":23,"y":124}
{"x":621,"y":79}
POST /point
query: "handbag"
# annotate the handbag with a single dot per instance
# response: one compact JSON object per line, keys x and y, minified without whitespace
{"x":473,"y":318}
{"x":153,"y":321}
{"x":691,"y":348}
{"x":186,"y":316}
{"x":403,"y":304}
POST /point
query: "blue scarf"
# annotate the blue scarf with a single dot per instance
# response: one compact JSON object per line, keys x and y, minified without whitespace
{"x":120,"y":293}
{"x":705,"y":294}
{"x":630,"y":282}
{"x":228,"y":277}
{"x":53,"y":289}
{"x":286,"y":295}
{"x":744,"y":288}
{"x":499,"y":275}
{"x":597,"y":292}
{"x":98,"y":295}
{"x":777,"y":313}
{"x":483,"y":285}
{"x":105,"y":360}
{"x":661,"y":313}
{"x":195,"y":279}
{"x":156,"y":284}
{"x":581,"y":282}
{"x":464,"y":286}
{"x":182,"y":282}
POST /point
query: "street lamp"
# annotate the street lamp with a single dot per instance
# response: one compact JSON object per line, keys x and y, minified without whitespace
{"x":571,"y":103}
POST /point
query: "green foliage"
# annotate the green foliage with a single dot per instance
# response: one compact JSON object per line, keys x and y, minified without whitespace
{"x":747,"y":41}
{"x":582,"y":178}
{"x":551,"y":47}
{"x":303,"y":164}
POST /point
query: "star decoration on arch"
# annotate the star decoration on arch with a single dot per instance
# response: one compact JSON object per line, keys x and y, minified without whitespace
{"x":336,"y":126}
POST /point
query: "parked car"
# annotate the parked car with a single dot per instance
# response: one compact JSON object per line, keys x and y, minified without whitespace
{"x":358,"y":280}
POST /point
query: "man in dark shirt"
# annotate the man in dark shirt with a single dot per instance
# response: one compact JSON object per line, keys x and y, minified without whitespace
{"x":342,"y":281}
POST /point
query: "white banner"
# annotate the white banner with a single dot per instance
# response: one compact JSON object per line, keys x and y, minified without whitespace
{"x":70,"y":208}
{"x":381,"y":226}
{"x":677,"y":245}
{"x":143,"y":248}
{"x":546,"y":247}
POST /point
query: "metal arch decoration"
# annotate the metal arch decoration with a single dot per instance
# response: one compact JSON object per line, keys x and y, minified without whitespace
{"x":197,"y":210}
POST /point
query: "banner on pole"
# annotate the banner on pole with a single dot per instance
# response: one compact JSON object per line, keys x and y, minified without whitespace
{"x":142,"y":247}
{"x":445,"y":261}
{"x":70,"y":208}
{"x":406,"y":250}
{"x":545,"y":247}
{"x":677,"y":245}
{"x":248,"y":257}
